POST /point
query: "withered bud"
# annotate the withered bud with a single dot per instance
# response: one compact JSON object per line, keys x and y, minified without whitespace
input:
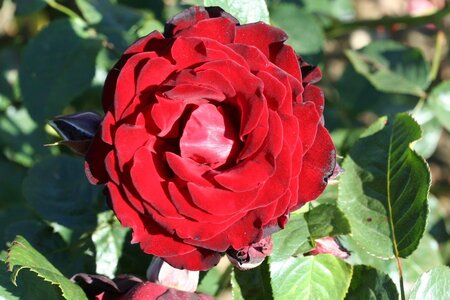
{"x":251,"y":256}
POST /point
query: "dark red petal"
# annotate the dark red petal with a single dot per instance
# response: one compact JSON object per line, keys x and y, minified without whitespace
{"x":112,"y":167}
{"x":220,"y":202}
{"x":318,"y":165}
{"x":219,"y":29}
{"x":182,"y":200}
{"x":193,"y":93}
{"x":310,"y":74}
{"x":107,"y":128}
{"x":260,"y":35}
{"x":285,"y":58}
{"x":314,"y":94}
{"x":153,"y":238}
{"x":208,"y":78}
{"x":256,"y":138}
{"x":308,"y":119}
{"x":197,"y":260}
{"x":127,"y":140}
{"x":94,"y":166}
{"x":111,"y":80}
{"x":165,"y":112}
{"x":188,"y":170}
{"x":142,"y":44}
{"x":127,"y":80}
{"x":154,"y":72}
{"x":250,"y":99}
{"x":149,"y":178}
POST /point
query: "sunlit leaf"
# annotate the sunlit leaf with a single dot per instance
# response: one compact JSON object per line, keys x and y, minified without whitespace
{"x":384,"y":188}
{"x":23,"y":256}
{"x":249,"y":11}
{"x":439,"y":102}
{"x":434,"y":284}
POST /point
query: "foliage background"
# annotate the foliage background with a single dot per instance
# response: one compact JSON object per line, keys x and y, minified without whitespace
{"x":54,"y":56}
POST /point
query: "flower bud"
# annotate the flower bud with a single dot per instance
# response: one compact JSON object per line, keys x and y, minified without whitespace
{"x":329,"y":245}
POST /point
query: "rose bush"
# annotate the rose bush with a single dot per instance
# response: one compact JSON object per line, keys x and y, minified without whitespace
{"x":213,"y":132}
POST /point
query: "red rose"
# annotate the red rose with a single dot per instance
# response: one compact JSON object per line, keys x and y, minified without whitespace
{"x":213,"y":133}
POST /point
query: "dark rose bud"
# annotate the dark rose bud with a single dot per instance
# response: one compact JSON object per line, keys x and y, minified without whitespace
{"x":77,"y":130}
{"x":252,"y":256}
{"x":329,"y":245}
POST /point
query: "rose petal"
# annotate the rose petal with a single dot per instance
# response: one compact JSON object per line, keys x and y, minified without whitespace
{"x":207,"y":78}
{"x":127,"y":140}
{"x":220,"y":29}
{"x":285,"y":57}
{"x":318,"y":165}
{"x":199,"y":260}
{"x":314,"y":94}
{"x":308,"y":120}
{"x":94,"y":166}
{"x":188,"y":170}
{"x":260,"y":35}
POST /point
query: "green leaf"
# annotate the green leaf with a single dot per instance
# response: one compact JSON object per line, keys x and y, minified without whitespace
{"x":23,"y":256}
{"x":57,"y":189}
{"x":57,"y":66}
{"x":323,"y":276}
{"x":439,"y":102}
{"x":326,"y":220}
{"x":26,"y":7}
{"x":384,"y":189}
{"x":434,"y":284}
{"x":370,"y":284}
{"x":392,"y":67}
{"x":112,"y":20}
{"x":294,"y":239}
{"x":252,"y":284}
{"x":249,"y":11}
{"x":431,"y":129}
{"x":306,"y":35}
{"x":108,"y":239}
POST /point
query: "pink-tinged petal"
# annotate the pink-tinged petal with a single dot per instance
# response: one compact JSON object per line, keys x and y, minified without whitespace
{"x":219,"y":29}
{"x":165,"y":113}
{"x":260,"y":35}
{"x":188,"y":170}
{"x":149,"y":178}
{"x":318,"y":166}
{"x":127,"y":80}
{"x":220,"y":202}
{"x":191,"y":16}
{"x":208,"y":78}
{"x":308,"y":120}
{"x":193,"y":93}
{"x":112,"y":167}
{"x":107,"y":128}
{"x":285,"y":57}
{"x":94,"y":166}
{"x":127,"y":140}
{"x":315,"y":95}
{"x":329,"y":245}
{"x":197,"y":260}
{"x":152,"y":238}
{"x":208,"y":136}
{"x":153,"y":73}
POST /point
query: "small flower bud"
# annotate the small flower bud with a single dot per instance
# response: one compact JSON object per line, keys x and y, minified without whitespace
{"x":164,"y":274}
{"x":251,"y":256}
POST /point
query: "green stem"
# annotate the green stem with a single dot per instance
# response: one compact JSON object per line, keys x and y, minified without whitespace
{"x":342,"y":28}
{"x":64,"y":9}
{"x":440,"y":41}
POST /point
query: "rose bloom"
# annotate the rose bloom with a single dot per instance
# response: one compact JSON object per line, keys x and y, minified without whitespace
{"x":213,"y":132}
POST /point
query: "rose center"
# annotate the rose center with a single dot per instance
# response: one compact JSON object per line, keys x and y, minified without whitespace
{"x":208,"y":136}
